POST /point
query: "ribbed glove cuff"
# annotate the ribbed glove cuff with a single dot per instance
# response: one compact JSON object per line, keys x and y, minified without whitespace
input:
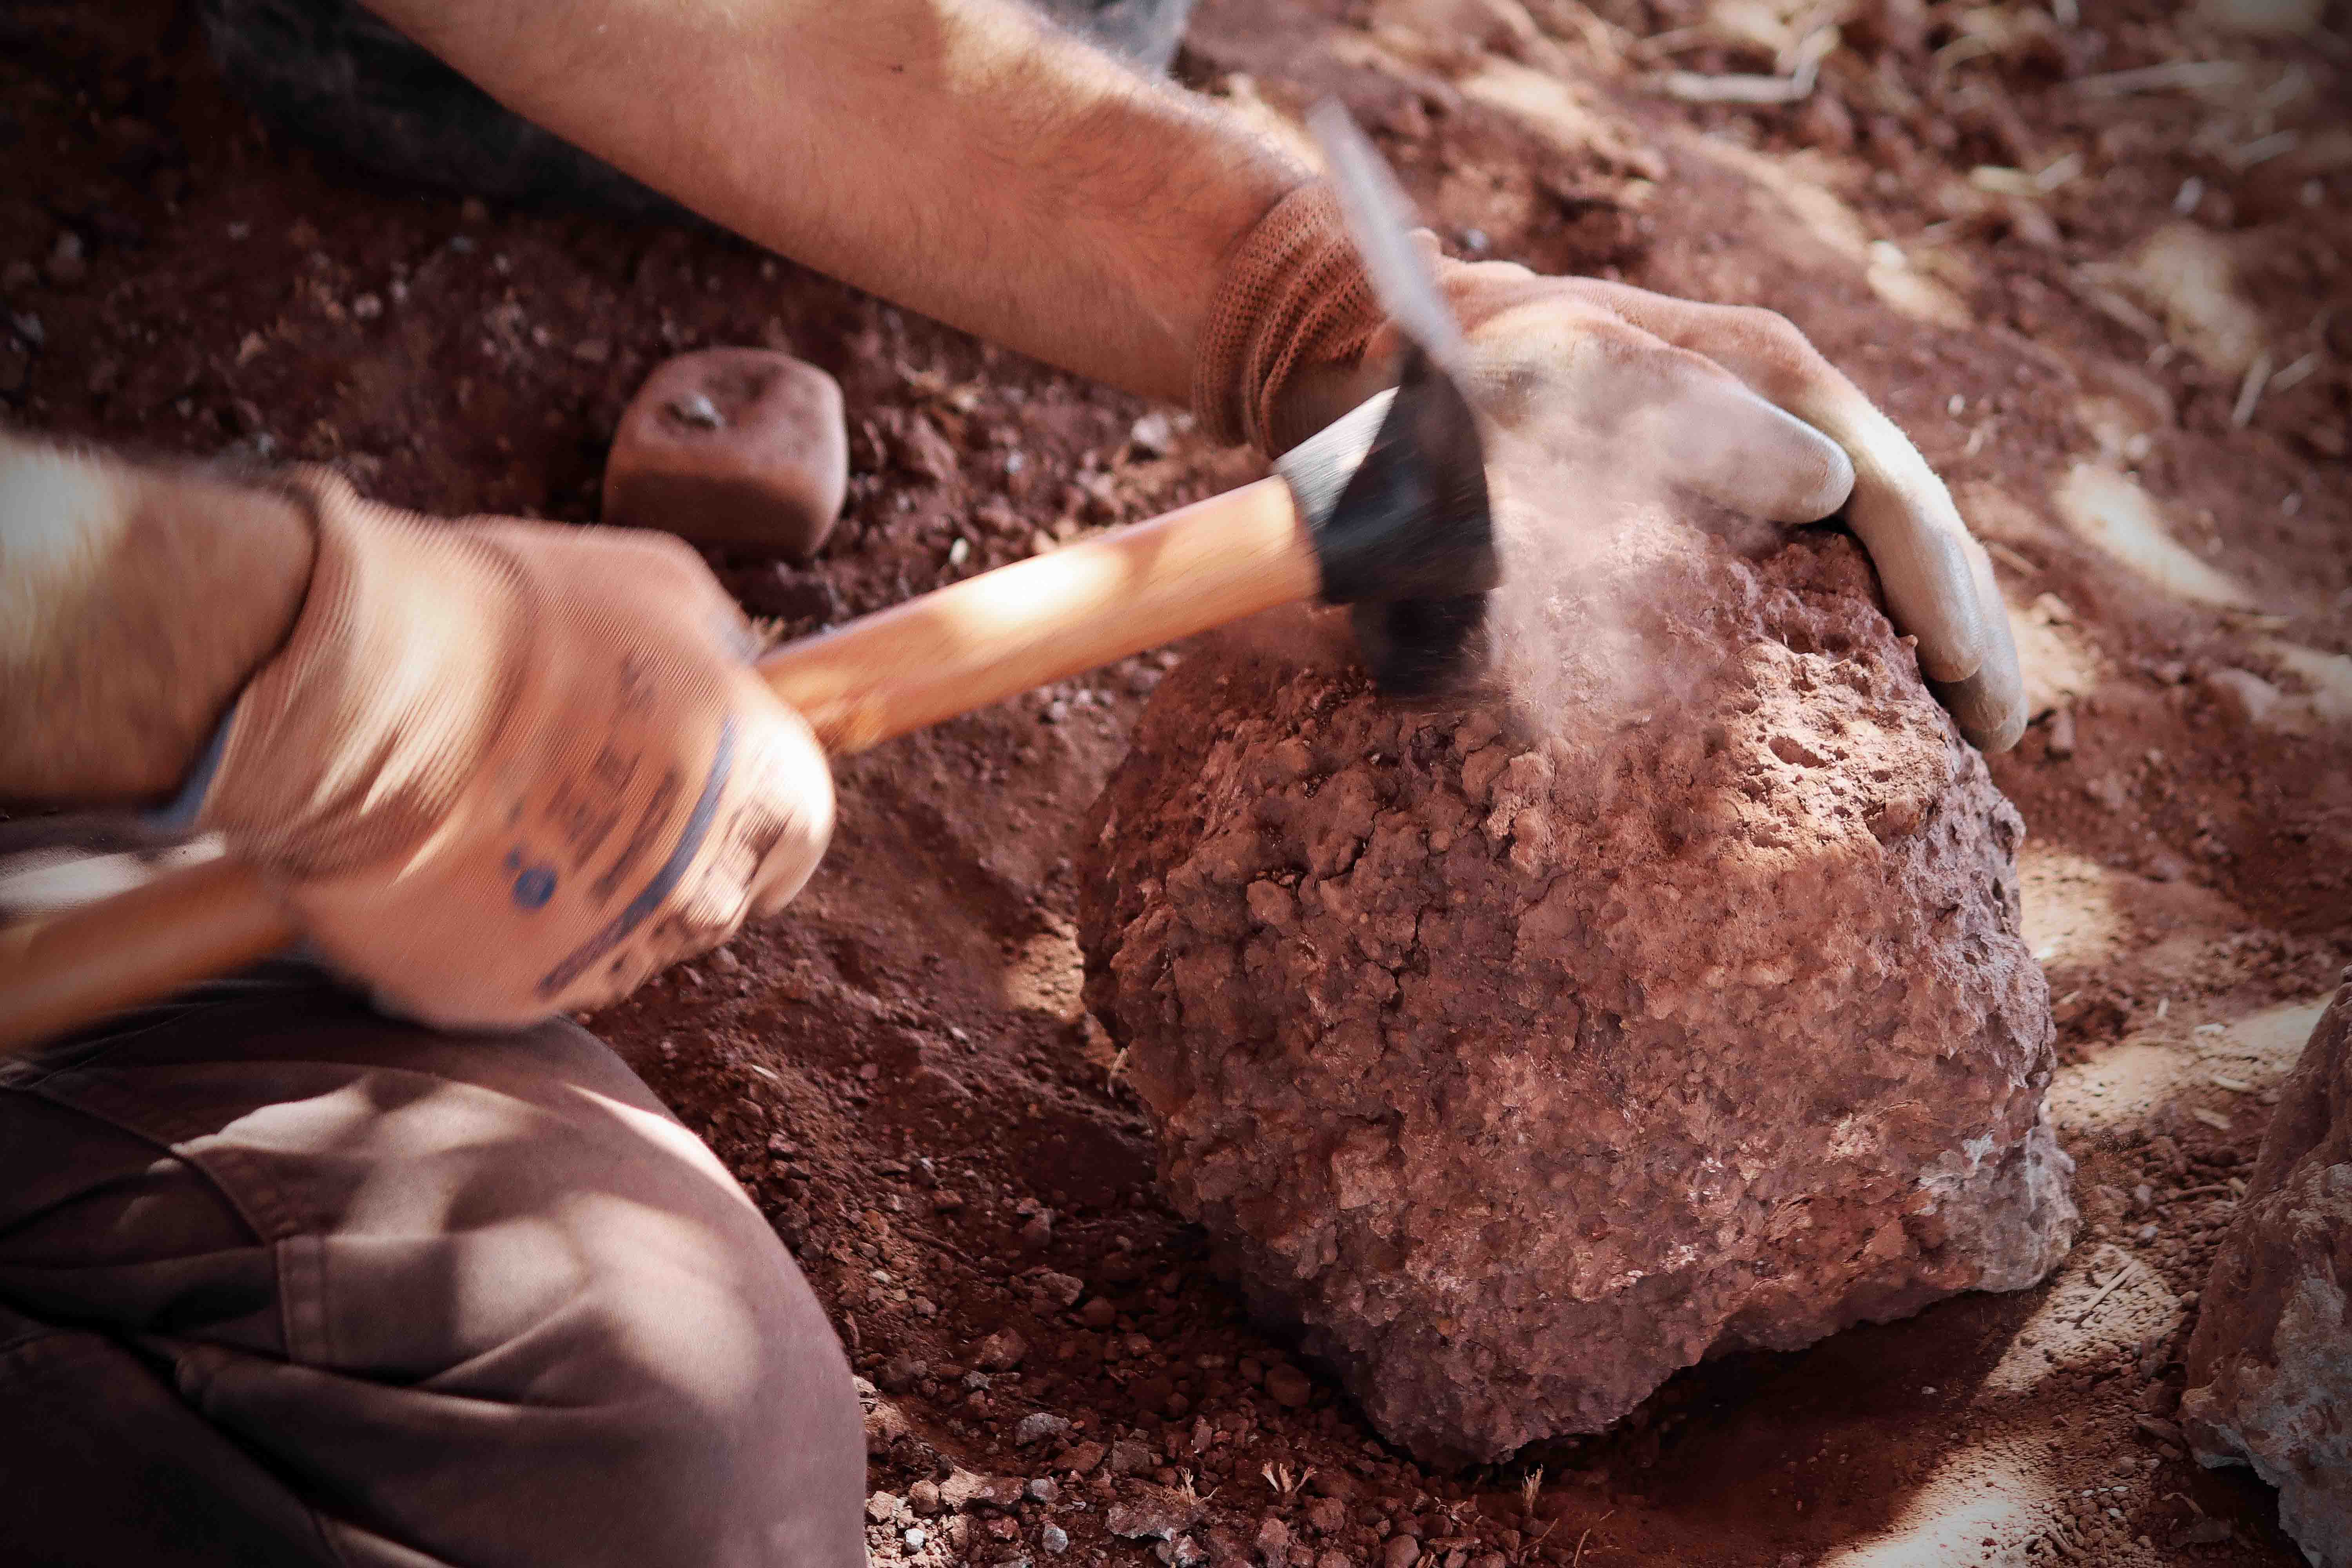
{"x":1293,"y":295}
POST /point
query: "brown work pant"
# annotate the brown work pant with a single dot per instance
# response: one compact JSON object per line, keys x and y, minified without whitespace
{"x":284,"y":1282}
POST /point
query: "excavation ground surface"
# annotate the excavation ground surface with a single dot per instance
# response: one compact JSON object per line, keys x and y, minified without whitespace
{"x":899,"y":1069}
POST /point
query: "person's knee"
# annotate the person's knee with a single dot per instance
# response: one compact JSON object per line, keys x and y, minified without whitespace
{"x":734,"y":1410}
{"x":594,"y":1380}
{"x":483,"y":1288}
{"x":634,"y":1304}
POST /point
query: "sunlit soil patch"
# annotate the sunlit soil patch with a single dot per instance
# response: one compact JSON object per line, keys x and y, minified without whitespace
{"x":2111,"y":512}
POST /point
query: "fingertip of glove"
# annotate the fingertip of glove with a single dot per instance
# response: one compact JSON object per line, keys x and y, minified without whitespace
{"x":1989,"y":701}
{"x":1955,"y":650}
{"x":1989,"y":709}
{"x":1994,"y":740}
{"x":1836,"y":486}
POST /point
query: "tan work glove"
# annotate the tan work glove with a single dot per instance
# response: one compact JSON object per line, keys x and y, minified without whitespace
{"x":1733,"y":404}
{"x":503,"y":770}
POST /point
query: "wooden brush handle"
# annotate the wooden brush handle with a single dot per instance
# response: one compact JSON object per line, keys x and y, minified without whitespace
{"x":949,"y":652}
{"x":61,"y":970}
{"x":1049,"y":617}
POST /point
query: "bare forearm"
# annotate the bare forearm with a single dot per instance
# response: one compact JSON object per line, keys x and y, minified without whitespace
{"x":134,"y":602}
{"x":958,"y":156}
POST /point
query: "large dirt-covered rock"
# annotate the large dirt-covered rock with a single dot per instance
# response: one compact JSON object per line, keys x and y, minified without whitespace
{"x":1664,"y":1001}
{"x":2269,"y":1367}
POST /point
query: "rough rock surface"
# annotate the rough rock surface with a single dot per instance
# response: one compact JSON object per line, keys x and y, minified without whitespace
{"x":2269,"y":1367}
{"x":1667,"y":1000}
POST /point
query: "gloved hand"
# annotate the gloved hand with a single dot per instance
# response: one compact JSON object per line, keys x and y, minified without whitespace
{"x":1733,"y":403}
{"x":502,"y":769}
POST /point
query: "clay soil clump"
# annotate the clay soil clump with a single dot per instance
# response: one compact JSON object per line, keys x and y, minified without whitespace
{"x":1669,"y":1001}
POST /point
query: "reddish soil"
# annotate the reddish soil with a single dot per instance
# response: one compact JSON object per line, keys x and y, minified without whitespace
{"x":900,"y":1070}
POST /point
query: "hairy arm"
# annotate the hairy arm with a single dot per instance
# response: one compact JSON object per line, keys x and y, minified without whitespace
{"x":133,"y":604}
{"x":961,"y":157}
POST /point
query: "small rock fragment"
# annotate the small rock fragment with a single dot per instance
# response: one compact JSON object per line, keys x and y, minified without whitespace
{"x":1288,"y":1387}
{"x":1401,"y":1551}
{"x":1000,"y":1351}
{"x":740,"y":446}
{"x":916,"y":1538}
{"x":2060,"y":742}
{"x":1082,"y":1459}
{"x":923,"y":452}
{"x":900,"y":1373}
{"x":1061,"y":1289}
{"x":885,"y":1425}
{"x":1038,"y":1425}
{"x":1153,"y":434}
{"x":1098,"y":1314}
{"x":67,"y":265}
{"x":1054,"y":1539}
{"x":963,"y":1488}
{"x":1129,"y":1458}
{"x":2202,"y":1532}
{"x":882,"y":1507}
{"x":1042,"y":1489}
{"x":923,"y":1499}
{"x":1153,"y":1513}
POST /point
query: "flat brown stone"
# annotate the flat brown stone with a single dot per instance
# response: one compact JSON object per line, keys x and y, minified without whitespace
{"x":732,"y":447}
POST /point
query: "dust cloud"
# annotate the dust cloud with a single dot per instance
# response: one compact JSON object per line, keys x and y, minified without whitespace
{"x":1593,"y":532}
